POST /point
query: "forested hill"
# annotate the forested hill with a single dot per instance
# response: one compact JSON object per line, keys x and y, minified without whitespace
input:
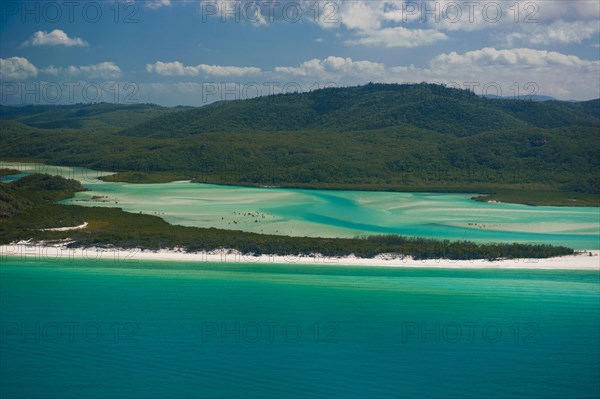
{"x":387,"y":137}
{"x":373,"y":106}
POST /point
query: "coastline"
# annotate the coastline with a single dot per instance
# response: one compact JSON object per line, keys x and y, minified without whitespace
{"x":26,"y":251}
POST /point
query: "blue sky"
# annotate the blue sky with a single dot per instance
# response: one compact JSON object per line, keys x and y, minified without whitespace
{"x":195,"y":52}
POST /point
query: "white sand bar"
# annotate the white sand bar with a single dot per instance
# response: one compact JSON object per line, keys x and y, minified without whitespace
{"x":582,"y":260}
{"x":81,"y":226}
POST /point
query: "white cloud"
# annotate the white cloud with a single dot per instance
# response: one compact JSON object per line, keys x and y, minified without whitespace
{"x":332,"y":67}
{"x":559,"y":32}
{"x":176,"y":68}
{"x":156,"y":4}
{"x":520,"y":57}
{"x":17,"y":68}
{"x":370,"y":22}
{"x":398,"y":37}
{"x":51,"y":70}
{"x":103,"y":70}
{"x":361,"y":15}
{"x":55,"y":38}
{"x":308,"y":68}
{"x":549,"y":11}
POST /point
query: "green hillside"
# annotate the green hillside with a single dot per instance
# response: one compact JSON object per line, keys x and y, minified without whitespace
{"x":373,"y":106}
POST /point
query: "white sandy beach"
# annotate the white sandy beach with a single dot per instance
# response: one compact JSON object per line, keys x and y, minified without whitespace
{"x":81,"y":226}
{"x":40,"y":252}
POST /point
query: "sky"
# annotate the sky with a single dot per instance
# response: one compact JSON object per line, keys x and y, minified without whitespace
{"x":194,"y":52}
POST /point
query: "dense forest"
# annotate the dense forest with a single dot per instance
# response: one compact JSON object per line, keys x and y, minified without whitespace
{"x":378,"y":136}
{"x":29,"y":204}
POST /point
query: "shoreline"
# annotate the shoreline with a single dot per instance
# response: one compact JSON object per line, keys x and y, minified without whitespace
{"x":26,"y":251}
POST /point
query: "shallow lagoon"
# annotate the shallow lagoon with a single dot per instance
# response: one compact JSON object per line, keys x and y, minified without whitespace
{"x":328,"y":213}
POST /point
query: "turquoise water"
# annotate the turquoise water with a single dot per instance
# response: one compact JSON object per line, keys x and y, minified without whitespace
{"x":182,"y":330}
{"x":323,"y":213}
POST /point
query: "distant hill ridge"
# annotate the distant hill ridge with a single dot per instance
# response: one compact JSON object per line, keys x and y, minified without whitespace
{"x":373,"y":106}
